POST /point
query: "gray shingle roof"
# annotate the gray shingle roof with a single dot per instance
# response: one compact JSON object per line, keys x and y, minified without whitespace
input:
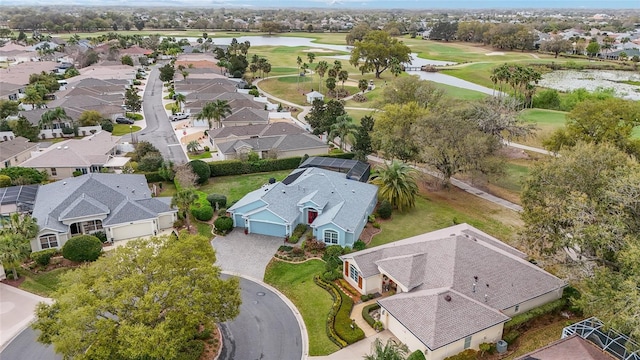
{"x":124,"y":197}
{"x":441,"y":316}
{"x":345,"y":201}
{"x":287,"y":142}
{"x":11,"y":148}
{"x":453,"y":259}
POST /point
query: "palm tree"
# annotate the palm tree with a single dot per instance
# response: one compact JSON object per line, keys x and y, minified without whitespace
{"x":180,"y":99}
{"x":193,"y":146}
{"x":389,"y":351}
{"x":397,"y":183}
{"x":311,"y":57}
{"x":299,"y":62}
{"x":21,"y":224}
{"x":183,"y":200}
{"x":343,"y":128}
{"x":54,"y":115}
{"x":13,"y":249}
{"x":321,"y":69}
{"x":216,"y":110}
{"x":343,"y":76}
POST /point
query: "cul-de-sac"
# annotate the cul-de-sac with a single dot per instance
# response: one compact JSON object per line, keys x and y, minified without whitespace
{"x":324,"y":180}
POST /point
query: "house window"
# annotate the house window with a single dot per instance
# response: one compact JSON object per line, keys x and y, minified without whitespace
{"x":92,"y":226}
{"x":467,"y":342}
{"x":330,"y":237}
{"x":353,"y":273}
{"x":48,"y":241}
{"x":54,"y":172}
{"x":517,"y":307}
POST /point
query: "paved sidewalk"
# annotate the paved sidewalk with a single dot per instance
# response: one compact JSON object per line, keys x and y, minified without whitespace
{"x":356,"y":314}
{"x":16,"y":311}
{"x":357,"y":350}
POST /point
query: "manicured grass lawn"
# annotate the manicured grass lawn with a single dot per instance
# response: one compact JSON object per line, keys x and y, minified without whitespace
{"x":287,"y":88}
{"x":547,"y":122}
{"x":356,"y":115}
{"x":202,"y":155}
{"x":204,"y":229}
{"x":43,"y":284}
{"x":235,"y":187}
{"x":439,"y":209}
{"x":168,"y":189}
{"x":460,"y":93}
{"x":123,"y":129}
{"x":296,"y":282}
{"x":636,"y":132}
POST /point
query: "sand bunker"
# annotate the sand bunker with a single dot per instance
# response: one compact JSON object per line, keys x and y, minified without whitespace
{"x":315,"y":50}
{"x":495,"y":53}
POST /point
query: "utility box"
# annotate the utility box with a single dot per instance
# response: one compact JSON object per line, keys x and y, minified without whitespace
{"x":501,"y":346}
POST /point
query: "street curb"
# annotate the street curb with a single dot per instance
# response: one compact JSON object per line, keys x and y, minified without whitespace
{"x":296,"y":313}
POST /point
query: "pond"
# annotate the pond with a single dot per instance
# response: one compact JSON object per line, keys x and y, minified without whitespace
{"x":591,"y":80}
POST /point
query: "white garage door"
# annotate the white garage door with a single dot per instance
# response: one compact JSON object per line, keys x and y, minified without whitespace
{"x":132,"y":231}
{"x":165,"y":221}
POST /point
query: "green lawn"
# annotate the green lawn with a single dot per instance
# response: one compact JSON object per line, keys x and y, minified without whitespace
{"x":202,"y":155}
{"x":168,"y":189}
{"x":439,"y":209}
{"x":204,"y":229}
{"x":296,"y":282}
{"x":124,"y":129}
{"x":547,"y":121}
{"x":538,"y":338}
{"x":636,"y":132}
{"x":43,"y":284}
{"x":460,"y":93}
{"x":235,"y":187}
{"x":356,"y":115}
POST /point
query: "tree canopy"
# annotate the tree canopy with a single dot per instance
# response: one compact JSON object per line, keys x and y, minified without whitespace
{"x":323,"y":115}
{"x":376,"y":52}
{"x":398,"y":184}
{"x":144,"y":300}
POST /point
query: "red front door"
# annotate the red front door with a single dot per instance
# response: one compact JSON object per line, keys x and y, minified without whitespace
{"x":312,"y":215}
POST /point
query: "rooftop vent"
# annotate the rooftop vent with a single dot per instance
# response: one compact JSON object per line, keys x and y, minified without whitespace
{"x":59,"y":147}
{"x":272,"y":180}
{"x":447,"y":298}
{"x":66,"y":147}
{"x":64,"y":183}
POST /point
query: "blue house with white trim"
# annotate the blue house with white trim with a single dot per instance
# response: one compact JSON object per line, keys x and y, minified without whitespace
{"x":335,"y":207}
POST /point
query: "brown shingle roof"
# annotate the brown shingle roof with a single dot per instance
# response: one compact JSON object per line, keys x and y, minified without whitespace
{"x":571,"y":348}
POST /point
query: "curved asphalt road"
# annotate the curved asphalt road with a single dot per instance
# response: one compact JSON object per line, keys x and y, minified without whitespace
{"x":265,"y":329}
{"x":159,"y":130}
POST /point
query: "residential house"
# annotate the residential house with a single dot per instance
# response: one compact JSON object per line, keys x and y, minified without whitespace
{"x":277,"y":146}
{"x":336,"y":208}
{"x":232,"y":133}
{"x":10,"y":91}
{"x":91,"y":154}
{"x":16,"y":151}
{"x":454,"y":288}
{"x":118,"y":204}
{"x":245,"y":116}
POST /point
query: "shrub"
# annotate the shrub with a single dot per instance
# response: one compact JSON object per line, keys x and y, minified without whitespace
{"x":293,"y":239}
{"x":5,"y":181}
{"x":43,"y":257}
{"x":487,"y":348}
{"x":297,"y":251}
{"x":222,"y":212}
{"x":76,"y":173}
{"x":547,"y":99}
{"x":107,"y":125}
{"x":217,"y":200}
{"x":337,"y":300}
{"x":150,"y":162}
{"x":223,"y":224}
{"x":237,"y":167}
{"x":347,"y":287}
{"x":202,"y":213}
{"x":365,"y":313}
{"x":376,"y":225}
{"x":385,"y":209}
{"x":359,"y":245}
{"x":377,"y":326}
{"x":285,"y":248}
{"x":332,"y":275}
{"x":191,"y":350}
{"x":300,"y":229}
{"x":511,"y":336}
{"x":332,"y":252}
{"x":313,"y":245}
{"x":371,"y":218}
{"x":134,"y":116}
{"x":468,"y":354}
{"x":416,"y":355}
{"x":153,"y":176}
{"x":519,"y":320}
{"x":82,"y":248}
{"x":201,"y":169}
{"x":101,"y":235}
{"x":178,"y":223}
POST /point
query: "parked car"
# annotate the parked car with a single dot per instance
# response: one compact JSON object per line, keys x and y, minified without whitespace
{"x":124,"y":120}
{"x":179,"y":116}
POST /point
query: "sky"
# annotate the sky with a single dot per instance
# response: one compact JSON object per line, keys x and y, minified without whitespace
{"x":352,"y":4}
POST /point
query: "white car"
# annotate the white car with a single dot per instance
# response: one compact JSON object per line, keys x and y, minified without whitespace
{"x":179,"y":116}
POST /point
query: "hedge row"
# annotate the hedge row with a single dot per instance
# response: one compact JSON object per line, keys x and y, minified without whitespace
{"x":416,"y":355}
{"x":237,"y":167}
{"x":519,"y":320}
{"x":153,"y":177}
{"x":343,"y":322}
{"x":365,"y":313}
{"x":201,"y":208}
{"x":337,"y":300}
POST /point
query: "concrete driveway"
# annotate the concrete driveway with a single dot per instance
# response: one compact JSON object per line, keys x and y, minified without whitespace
{"x":16,"y":311}
{"x":245,"y":254}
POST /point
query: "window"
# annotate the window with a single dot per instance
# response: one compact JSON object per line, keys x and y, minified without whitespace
{"x":353,"y":273}
{"x":517,"y":307}
{"x":467,"y":342}
{"x":92,"y":226}
{"x":330,"y":237}
{"x":54,"y":172}
{"x":48,"y":241}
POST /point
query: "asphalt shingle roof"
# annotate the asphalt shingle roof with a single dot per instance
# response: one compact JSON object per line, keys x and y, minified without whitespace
{"x":124,"y":197}
{"x":345,"y":200}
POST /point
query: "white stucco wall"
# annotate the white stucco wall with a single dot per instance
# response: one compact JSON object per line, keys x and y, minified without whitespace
{"x":131,"y":231}
{"x":534,"y":303}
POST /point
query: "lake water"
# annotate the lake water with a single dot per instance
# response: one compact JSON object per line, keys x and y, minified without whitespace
{"x":591,"y":80}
